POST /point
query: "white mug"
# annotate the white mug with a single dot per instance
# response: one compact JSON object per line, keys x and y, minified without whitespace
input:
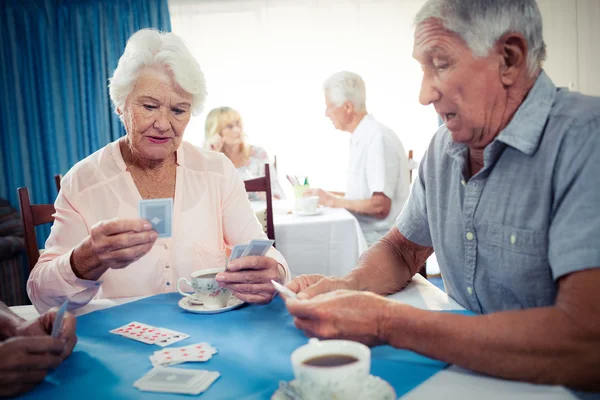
{"x":307,"y":204}
{"x":338,"y":382}
{"x":207,"y":290}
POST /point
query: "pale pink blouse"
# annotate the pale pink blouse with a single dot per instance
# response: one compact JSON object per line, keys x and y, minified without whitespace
{"x":211,"y":213}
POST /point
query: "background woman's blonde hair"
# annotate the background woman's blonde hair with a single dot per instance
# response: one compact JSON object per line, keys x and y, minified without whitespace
{"x":220,"y":117}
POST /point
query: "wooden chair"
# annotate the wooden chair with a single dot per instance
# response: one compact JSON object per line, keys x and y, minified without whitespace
{"x":263,"y":184}
{"x":57,"y":179}
{"x":33,"y":215}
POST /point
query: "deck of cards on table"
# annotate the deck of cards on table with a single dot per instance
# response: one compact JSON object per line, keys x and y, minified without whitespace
{"x":149,"y":334}
{"x":159,"y":212}
{"x":176,"y":380}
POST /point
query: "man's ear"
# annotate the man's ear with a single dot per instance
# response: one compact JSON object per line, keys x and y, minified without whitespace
{"x":348,"y":107}
{"x":513,"y":50}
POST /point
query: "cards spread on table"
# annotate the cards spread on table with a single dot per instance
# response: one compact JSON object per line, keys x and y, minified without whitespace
{"x":283,"y":290}
{"x":159,"y":212}
{"x":198,"y":352}
{"x":58,"y":320}
{"x":176,"y":380}
{"x":149,"y":334}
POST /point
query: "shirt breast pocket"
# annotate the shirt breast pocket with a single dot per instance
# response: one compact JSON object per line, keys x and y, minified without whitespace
{"x":517,"y":263}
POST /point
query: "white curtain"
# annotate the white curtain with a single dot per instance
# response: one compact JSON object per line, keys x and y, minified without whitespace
{"x":269,"y":58}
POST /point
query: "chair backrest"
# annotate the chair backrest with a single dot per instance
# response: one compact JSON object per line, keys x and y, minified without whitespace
{"x":263,"y":184}
{"x":33,"y":215}
{"x":57,"y":179}
{"x":412,"y":164}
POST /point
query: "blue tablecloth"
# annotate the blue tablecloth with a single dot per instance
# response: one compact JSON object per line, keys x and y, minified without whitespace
{"x":254,"y":344}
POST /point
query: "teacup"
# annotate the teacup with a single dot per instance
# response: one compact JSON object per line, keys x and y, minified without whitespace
{"x":327,"y":369}
{"x":207,"y":290}
{"x":307,"y":204}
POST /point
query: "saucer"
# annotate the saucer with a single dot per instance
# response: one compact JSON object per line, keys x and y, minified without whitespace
{"x":375,"y":388}
{"x":299,"y":213}
{"x":232,"y":303}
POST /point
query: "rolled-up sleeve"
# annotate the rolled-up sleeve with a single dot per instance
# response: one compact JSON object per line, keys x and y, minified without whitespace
{"x":240,"y":224}
{"x":52,"y":281}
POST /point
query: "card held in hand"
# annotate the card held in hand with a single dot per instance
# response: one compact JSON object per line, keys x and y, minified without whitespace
{"x":159,"y":212}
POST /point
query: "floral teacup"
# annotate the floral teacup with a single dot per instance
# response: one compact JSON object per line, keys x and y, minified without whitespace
{"x":207,"y":290}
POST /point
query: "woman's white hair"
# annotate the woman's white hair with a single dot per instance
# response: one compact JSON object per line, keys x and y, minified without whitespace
{"x":480,"y":23}
{"x":150,"y":48}
{"x":346,"y":86}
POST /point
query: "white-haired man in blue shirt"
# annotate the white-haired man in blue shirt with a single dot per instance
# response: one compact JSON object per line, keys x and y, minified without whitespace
{"x":507,"y":196}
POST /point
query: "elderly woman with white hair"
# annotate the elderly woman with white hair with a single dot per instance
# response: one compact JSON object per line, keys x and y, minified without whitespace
{"x":99,"y":247}
{"x":506,"y":196}
{"x":378,"y":181}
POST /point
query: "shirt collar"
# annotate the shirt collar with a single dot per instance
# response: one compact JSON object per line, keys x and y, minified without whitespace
{"x":361,"y":131}
{"x":524,"y":131}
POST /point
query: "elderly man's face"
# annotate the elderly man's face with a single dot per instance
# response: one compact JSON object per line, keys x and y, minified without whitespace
{"x":156,"y":114}
{"x":466,"y":92}
{"x":337,"y":114}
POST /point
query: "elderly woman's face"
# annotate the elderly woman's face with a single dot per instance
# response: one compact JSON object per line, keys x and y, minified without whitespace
{"x":232,"y":133}
{"x":156,"y":114}
{"x":464,"y":90}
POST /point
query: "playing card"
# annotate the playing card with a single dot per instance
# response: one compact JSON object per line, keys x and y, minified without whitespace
{"x":198,"y":352}
{"x":58,"y":321}
{"x":283,"y":290}
{"x":258,"y":247}
{"x":169,"y":337}
{"x":237,"y":251}
{"x":176,"y":380}
{"x":149,"y":334}
{"x":159,"y":212}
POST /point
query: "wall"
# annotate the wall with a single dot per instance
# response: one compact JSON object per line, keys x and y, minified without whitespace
{"x":572,"y":35}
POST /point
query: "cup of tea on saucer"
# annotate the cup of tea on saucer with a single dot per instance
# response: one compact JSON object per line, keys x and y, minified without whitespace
{"x":331,"y":368}
{"x":207,"y":291}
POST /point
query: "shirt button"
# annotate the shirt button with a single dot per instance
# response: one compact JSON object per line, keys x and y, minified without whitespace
{"x":464,"y":183}
{"x":168,"y":283}
{"x":165,"y":246}
{"x":470,"y":236}
{"x":166,"y":266}
{"x":513,"y":239}
{"x":470,"y":290}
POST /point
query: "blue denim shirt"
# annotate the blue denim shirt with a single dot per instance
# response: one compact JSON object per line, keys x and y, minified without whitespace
{"x":532,"y":214}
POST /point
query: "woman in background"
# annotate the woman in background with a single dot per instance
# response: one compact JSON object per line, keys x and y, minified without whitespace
{"x":225,"y":133}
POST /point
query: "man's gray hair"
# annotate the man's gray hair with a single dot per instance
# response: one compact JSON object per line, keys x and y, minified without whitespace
{"x":151,"y":48}
{"x":480,"y":23}
{"x":346,"y":86}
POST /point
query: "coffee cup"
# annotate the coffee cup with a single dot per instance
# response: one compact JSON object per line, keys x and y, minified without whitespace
{"x":307,"y":204}
{"x":328,"y":369}
{"x":207,"y":290}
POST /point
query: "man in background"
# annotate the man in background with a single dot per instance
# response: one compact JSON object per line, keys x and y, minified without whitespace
{"x":378,"y":172}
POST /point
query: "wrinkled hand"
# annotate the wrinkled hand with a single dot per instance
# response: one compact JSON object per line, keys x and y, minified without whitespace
{"x":325,"y":198}
{"x":249,"y":278}
{"x":42,"y":326}
{"x":25,"y":361}
{"x":114,"y":244}
{"x":343,"y":314}
{"x":215,"y":143}
{"x":309,"y":286}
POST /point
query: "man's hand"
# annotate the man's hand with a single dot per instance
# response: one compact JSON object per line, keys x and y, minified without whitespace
{"x":308,"y":286}
{"x":249,"y":278}
{"x":342,"y":314}
{"x":42,"y":326}
{"x":25,"y":361}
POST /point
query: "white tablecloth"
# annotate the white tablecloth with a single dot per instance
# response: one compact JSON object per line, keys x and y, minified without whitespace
{"x":329,"y":243}
{"x":450,"y":384}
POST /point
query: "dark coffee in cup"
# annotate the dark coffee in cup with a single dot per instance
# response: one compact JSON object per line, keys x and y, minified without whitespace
{"x":330,"y":360}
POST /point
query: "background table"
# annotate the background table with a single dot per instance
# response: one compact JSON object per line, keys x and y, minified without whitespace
{"x":329,"y":243}
{"x":452,"y":383}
